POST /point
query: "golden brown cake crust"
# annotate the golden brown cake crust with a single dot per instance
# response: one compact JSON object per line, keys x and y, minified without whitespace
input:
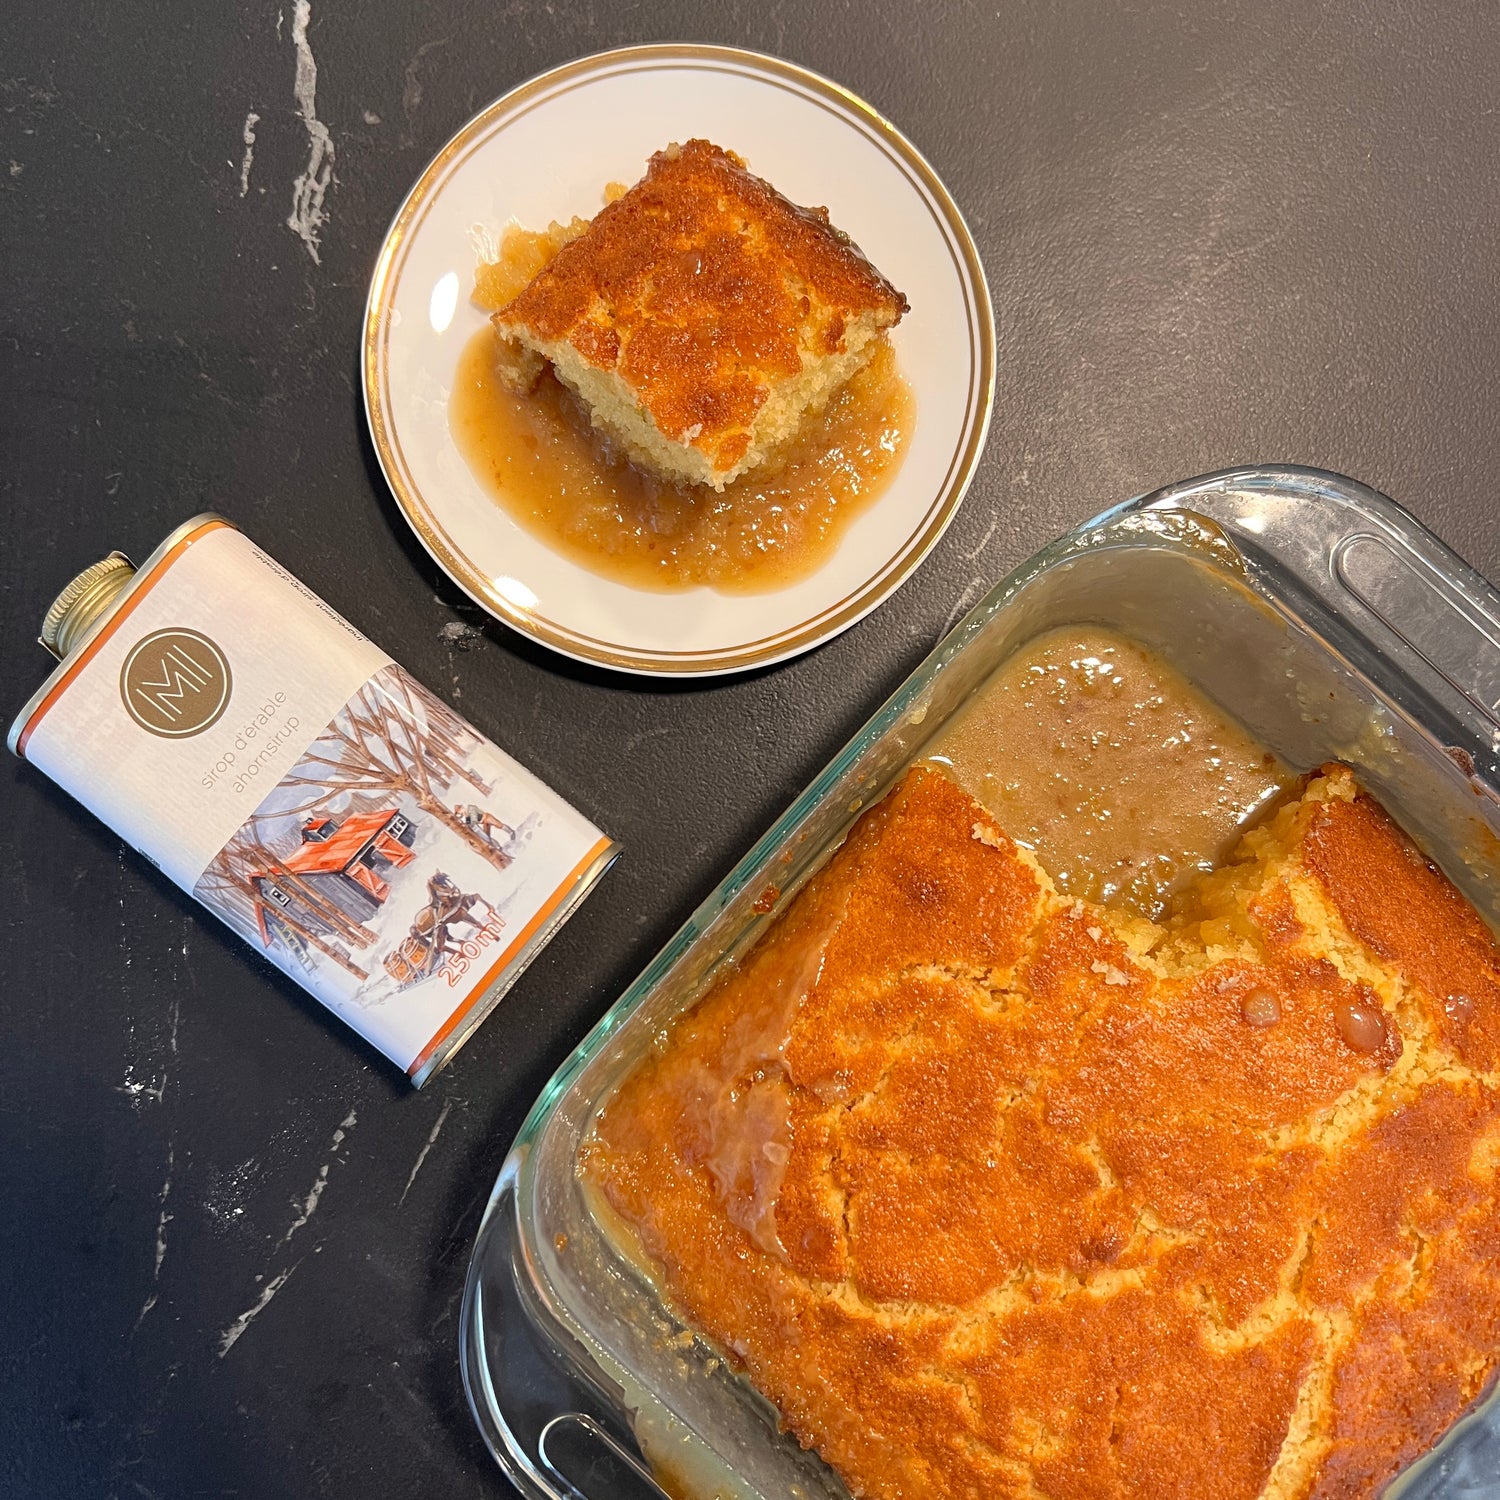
{"x":992,"y":1202}
{"x":702,"y":287}
{"x":1404,"y":909}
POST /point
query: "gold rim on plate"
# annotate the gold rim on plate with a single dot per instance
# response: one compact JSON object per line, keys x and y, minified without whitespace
{"x":905,"y":558}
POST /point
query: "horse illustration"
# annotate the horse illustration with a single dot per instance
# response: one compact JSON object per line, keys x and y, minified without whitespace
{"x":420,"y":953}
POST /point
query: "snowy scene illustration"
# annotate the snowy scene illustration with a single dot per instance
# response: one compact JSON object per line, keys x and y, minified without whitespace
{"x":382,"y":861}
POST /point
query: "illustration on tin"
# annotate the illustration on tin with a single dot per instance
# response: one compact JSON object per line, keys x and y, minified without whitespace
{"x":348,"y":861}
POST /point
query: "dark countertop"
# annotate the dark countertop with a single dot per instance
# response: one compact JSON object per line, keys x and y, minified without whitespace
{"x":1215,"y":234}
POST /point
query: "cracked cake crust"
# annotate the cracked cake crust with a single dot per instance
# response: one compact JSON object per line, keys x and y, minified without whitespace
{"x":700,"y":316}
{"x":996,"y":1193}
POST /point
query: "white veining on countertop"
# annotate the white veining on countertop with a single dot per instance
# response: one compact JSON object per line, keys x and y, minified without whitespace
{"x":248,"y":136}
{"x":422,"y":1154}
{"x":983,"y":542}
{"x":305,"y":1210}
{"x":163,"y":1218}
{"x":411,"y":83}
{"x":308,"y":191}
{"x":309,"y":1205}
{"x":231,"y":1335}
{"x":135,"y":1090}
{"x":637,"y":740}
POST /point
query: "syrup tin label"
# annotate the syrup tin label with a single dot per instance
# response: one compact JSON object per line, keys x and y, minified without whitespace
{"x":285,"y":771}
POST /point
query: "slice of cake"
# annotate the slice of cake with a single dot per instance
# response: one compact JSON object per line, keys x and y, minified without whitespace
{"x":701,"y":316}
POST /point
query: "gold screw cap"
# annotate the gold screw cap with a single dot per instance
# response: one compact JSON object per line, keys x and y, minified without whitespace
{"x":85,"y":600}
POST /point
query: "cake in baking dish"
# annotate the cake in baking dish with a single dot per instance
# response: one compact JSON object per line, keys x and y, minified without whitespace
{"x":998,"y":1193}
{"x":700,"y":317}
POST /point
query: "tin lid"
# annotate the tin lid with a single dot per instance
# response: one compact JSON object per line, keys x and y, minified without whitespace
{"x":89,"y":596}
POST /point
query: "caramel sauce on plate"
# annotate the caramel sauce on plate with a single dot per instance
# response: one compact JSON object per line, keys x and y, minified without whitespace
{"x":554,"y":475}
{"x":1110,"y":766}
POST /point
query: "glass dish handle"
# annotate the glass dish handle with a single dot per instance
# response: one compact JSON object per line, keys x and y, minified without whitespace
{"x":1370,"y":561}
{"x":1423,"y":611}
{"x":546,"y":1428}
{"x":591,"y":1464}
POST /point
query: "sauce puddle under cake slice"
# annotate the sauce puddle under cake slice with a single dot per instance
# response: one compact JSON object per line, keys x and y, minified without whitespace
{"x":694,"y":388}
{"x":998,"y":1192}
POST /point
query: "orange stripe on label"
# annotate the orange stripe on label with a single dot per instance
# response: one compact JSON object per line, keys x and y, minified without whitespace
{"x":493,"y":972}
{"x":75,"y":664}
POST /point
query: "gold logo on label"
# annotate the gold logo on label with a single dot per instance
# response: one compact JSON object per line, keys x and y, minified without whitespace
{"x":175,"y":683}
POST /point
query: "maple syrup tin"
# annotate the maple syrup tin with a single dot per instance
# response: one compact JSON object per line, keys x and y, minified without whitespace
{"x":289,"y":775}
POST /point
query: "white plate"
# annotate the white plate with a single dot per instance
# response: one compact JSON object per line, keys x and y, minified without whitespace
{"x":545,"y":151}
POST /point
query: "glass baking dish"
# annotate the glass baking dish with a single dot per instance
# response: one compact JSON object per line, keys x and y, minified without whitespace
{"x":1317,"y":612}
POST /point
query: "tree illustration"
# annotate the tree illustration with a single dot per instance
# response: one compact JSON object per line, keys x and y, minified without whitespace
{"x":393,"y":738}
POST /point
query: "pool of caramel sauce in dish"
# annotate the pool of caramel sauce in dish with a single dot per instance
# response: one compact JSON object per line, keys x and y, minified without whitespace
{"x":544,"y":464}
{"x":1121,"y":777}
